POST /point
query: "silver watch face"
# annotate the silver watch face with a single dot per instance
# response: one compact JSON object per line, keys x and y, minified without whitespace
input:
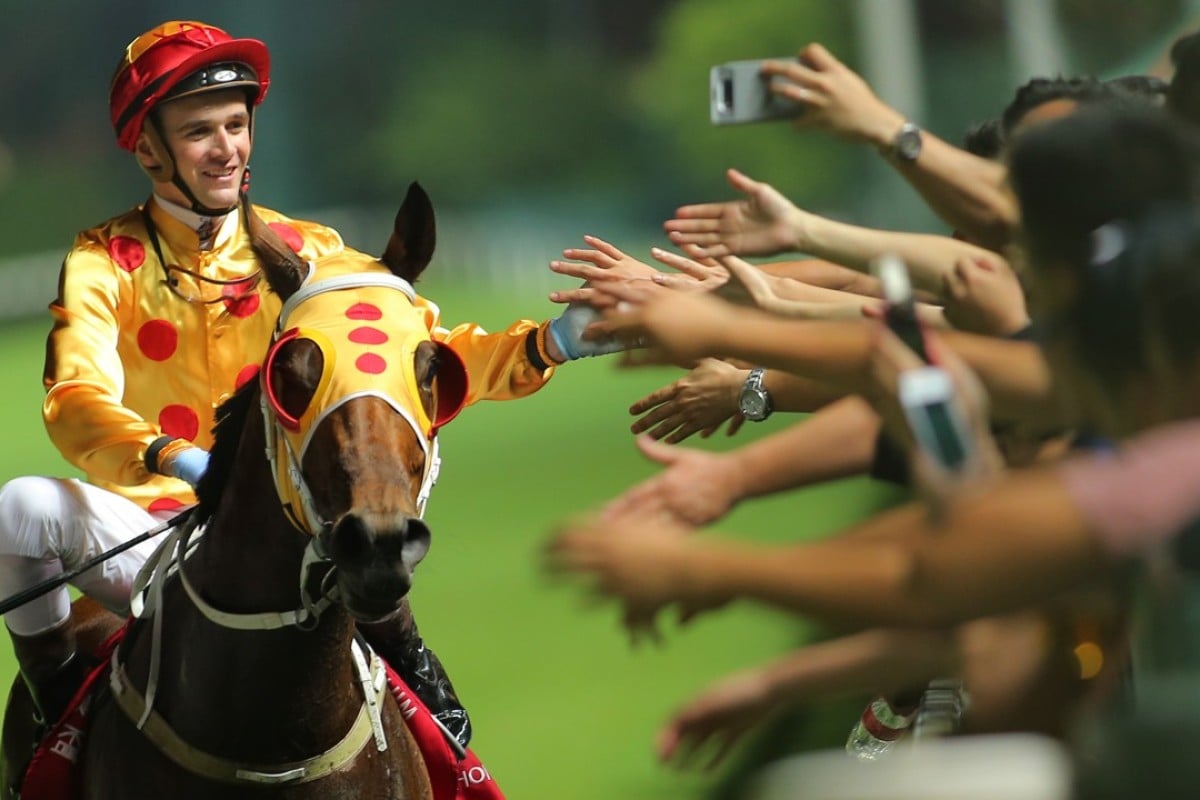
{"x":753,"y":405}
{"x":908,"y":143}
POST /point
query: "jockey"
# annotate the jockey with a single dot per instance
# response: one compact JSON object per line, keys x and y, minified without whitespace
{"x":161,"y":315}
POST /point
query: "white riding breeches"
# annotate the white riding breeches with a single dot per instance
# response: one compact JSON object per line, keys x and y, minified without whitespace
{"x":51,"y":524}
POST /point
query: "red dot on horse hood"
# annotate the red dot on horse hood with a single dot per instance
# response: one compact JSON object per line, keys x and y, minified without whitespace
{"x":370,"y":364}
{"x":366,"y":335}
{"x":364,"y":311}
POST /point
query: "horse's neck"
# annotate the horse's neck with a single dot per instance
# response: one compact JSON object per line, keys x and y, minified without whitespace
{"x":218,"y":683}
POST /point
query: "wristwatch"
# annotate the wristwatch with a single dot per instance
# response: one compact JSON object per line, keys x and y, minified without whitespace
{"x":755,"y":401}
{"x":906,"y":144}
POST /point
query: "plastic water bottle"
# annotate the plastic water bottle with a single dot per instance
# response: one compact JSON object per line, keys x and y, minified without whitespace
{"x":941,"y":709}
{"x":881,"y":725}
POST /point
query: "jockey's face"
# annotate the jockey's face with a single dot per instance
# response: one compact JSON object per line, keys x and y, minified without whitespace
{"x":209,"y":136}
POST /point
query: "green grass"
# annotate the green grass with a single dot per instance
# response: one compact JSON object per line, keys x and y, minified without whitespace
{"x":562,"y":706}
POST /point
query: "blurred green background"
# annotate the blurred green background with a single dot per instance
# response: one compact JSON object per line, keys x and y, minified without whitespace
{"x":530,"y":123}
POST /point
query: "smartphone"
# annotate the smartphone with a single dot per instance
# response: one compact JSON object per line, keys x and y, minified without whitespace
{"x":900,"y":312}
{"x":739,"y":92}
{"x":934,"y":417}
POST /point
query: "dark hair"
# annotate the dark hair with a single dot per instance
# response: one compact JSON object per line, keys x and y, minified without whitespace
{"x":1164,"y":257}
{"x":1040,"y":91}
{"x":1147,"y":86}
{"x":1183,"y":96}
{"x":1139,"y":286}
{"x":1097,"y":190}
{"x":1100,"y":164}
{"x":984,"y":139}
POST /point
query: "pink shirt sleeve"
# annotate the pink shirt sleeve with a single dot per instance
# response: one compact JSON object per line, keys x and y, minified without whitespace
{"x":1142,"y":494}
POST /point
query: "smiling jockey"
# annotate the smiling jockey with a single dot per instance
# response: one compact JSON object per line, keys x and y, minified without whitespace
{"x":160,"y":317}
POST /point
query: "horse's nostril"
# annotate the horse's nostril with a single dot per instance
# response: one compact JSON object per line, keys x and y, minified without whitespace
{"x":416,"y":541}
{"x":351,"y":540}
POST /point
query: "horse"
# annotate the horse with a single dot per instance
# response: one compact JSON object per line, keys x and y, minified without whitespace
{"x":242,"y":678}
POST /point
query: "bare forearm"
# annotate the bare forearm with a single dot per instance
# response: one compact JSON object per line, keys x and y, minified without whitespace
{"x":826,"y":274}
{"x":835,"y":352}
{"x":1014,"y":545}
{"x":1015,"y":373}
{"x":793,"y":393}
{"x":836,"y":442}
{"x":929,"y":257}
{"x":966,"y":191}
{"x":882,"y":661}
{"x":1018,"y":379}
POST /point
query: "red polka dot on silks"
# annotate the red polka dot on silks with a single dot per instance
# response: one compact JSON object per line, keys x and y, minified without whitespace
{"x":289,"y":235}
{"x":179,"y":421}
{"x":370,"y":364}
{"x":128,"y":252}
{"x":164,"y":504}
{"x":242,"y":307}
{"x":364,"y":311}
{"x":157,"y":339}
{"x":245,"y":375}
{"x":366,"y":335}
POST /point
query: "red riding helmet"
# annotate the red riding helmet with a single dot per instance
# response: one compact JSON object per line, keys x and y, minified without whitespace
{"x":170,"y":61}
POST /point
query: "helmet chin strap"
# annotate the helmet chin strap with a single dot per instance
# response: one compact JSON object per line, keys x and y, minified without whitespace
{"x":167,"y":172}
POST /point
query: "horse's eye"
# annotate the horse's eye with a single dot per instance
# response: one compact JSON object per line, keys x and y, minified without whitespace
{"x":295,"y":372}
{"x":431,"y":371}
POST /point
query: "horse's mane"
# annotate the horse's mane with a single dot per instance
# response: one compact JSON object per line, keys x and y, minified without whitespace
{"x":227,"y":433}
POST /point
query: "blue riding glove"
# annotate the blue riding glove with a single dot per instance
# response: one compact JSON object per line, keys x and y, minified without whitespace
{"x":567,"y":331}
{"x":189,"y":465}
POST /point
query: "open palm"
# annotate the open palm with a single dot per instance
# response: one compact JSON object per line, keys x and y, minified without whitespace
{"x":762,"y":223}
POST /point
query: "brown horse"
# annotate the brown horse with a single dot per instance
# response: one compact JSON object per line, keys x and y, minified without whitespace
{"x":310,"y":513}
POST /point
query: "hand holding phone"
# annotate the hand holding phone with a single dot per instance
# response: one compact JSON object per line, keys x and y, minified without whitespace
{"x":900,"y":312}
{"x":739,"y":92}
{"x":934,"y":416}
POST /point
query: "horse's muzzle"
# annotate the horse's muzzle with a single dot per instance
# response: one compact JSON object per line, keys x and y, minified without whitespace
{"x":375,"y":559}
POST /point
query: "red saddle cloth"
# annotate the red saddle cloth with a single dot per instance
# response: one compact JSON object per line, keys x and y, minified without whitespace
{"x":54,"y":772}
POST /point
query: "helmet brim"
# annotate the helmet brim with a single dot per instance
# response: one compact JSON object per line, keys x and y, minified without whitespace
{"x":251,"y":52}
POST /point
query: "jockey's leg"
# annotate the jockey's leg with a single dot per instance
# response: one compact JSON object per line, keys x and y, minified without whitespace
{"x":400,"y":644}
{"x":51,"y":668}
{"x":48,"y":525}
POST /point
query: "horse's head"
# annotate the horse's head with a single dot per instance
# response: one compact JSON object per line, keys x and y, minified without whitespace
{"x":353,"y":392}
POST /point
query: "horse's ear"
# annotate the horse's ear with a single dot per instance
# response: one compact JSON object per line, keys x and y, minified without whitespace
{"x":284,"y":270}
{"x":413,"y":236}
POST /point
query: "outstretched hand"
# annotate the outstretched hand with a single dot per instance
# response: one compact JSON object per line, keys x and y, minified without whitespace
{"x":634,"y":559}
{"x":717,"y":719}
{"x":836,"y":98}
{"x":699,"y":402}
{"x":669,"y":327}
{"x":606,"y":262}
{"x":695,"y":487}
{"x":760,"y":224}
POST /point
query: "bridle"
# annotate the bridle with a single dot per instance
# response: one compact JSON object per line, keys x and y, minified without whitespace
{"x":287,"y":438}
